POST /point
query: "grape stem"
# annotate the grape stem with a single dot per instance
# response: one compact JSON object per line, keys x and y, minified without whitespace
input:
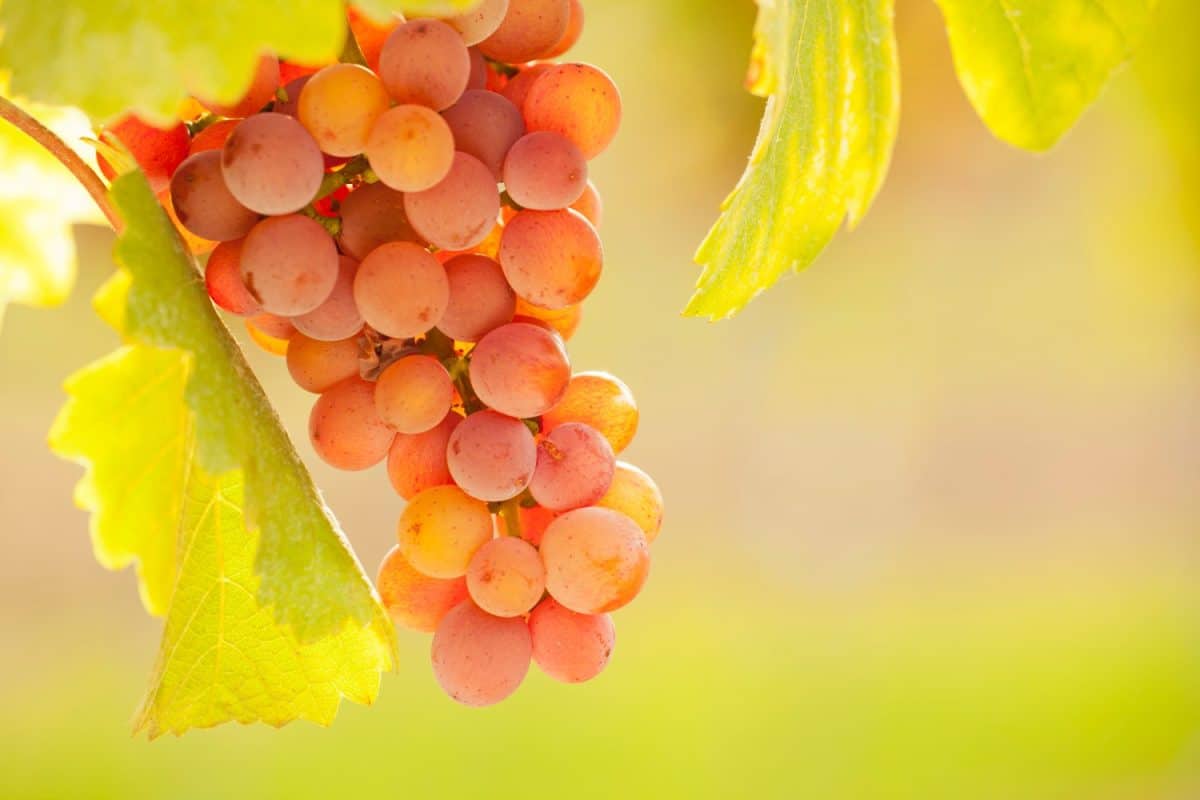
{"x":86,"y":176}
{"x":351,"y":52}
{"x":510,"y":513}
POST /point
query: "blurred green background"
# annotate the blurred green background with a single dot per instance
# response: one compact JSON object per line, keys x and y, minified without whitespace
{"x":932,"y":505}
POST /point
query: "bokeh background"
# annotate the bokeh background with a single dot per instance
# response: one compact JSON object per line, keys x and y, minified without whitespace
{"x":932,"y":505}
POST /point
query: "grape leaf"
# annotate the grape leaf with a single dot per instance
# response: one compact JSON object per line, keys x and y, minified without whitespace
{"x":1030,"y":68}
{"x":829,"y":71}
{"x":109,"y":56}
{"x":294,"y":602}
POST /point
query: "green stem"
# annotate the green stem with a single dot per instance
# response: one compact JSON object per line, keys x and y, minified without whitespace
{"x":336,"y":180}
{"x":333,"y":225}
{"x":351,"y":52}
{"x":510,"y":513}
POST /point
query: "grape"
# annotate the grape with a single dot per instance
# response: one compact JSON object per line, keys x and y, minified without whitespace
{"x":416,"y":601}
{"x":486,"y":126}
{"x":517,"y":89}
{"x":290,"y":71}
{"x":520,"y":369}
{"x":563,"y":321}
{"x":196,"y":245}
{"x":460,"y":211}
{"x":337,"y":317}
{"x":318,"y":366}
{"x":414,"y":394}
{"x":223,"y":279}
{"x":591,"y":205}
{"x":440,"y":530}
{"x":531,"y":28}
{"x":635,"y":495}
{"x":579,"y":101}
{"x":371,"y":35}
{"x":596,"y":560}
{"x":292,"y":90}
{"x":544,"y":171}
{"x":601,"y":401}
{"x":475,"y":26}
{"x":491,"y":456}
{"x":203,"y":203}
{"x":478,"y":80}
{"x":410,"y":148}
{"x":290,"y":264}
{"x":270,"y":333}
{"x":568,"y":646}
{"x":479,"y":659}
{"x":418,"y":462}
{"x":158,"y":151}
{"x":373,"y":215}
{"x":534,"y":522}
{"x":345,"y":429}
{"x":506,"y":577}
{"x":425,"y":62}
{"x":574,"y":31}
{"x":272,"y":165}
{"x":213,"y":137}
{"x":575,"y":468}
{"x":401,"y":290}
{"x":261,"y":90}
{"x":480,"y":298}
{"x":553,"y":259}
{"x":339,"y":105}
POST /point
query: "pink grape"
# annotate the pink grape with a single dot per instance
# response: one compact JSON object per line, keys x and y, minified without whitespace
{"x":545,"y":171}
{"x":520,"y":369}
{"x":476,"y":25}
{"x":479,"y":659}
{"x":203,"y":203}
{"x":337,"y":317}
{"x":272,"y":165}
{"x":553,"y":259}
{"x":491,"y":456}
{"x":485,"y":125}
{"x":480,"y":298}
{"x":373,"y":215}
{"x":596,"y":559}
{"x":569,"y":646}
{"x":441,"y":529}
{"x":417,"y":462}
{"x":460,"y":211}
{"x":635,"y":495}
{"x":416,"y":601}
{"x":530,"y":29}
{"x":410,"y":148}
{"x":223,"y":279}
{"x":425,"y":62}
{"x":345,"y":429}
{"x":414,"y":394}
{"x":575,"y":468}
{"x":290,"y":264}
{"x":506,"y":577}
{"x":318,"y":366}
{"x":479,"y":71}
{"x":401,"y":290}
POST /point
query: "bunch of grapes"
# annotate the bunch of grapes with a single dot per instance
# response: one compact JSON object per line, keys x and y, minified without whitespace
{"x":416,"y":235}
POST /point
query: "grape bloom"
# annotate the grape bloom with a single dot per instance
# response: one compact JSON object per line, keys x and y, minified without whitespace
{"x":416,"y":235}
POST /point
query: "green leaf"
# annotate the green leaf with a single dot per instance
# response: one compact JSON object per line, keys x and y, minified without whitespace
{"x":829,"y":69}
{"x":294,"y":602}
{"x":109,"y":56}
{"x":1031,"y":67}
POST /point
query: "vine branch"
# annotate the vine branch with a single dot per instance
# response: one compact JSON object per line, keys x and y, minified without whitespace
{"x":86,"y":176}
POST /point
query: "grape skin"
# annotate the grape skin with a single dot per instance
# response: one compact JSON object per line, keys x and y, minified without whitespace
{"x":596,"y":559}
{"x":568,"y":646}
{"x":480,"y":23}
{"x":290,"y":264}
{"x":340,"y":105}
{"x":517,"y":89}
{"x":416,"y":601}
{"x":553,"y":259}
{"x":602,"y":401}
{"x":530,"y":29}
{"x":441,"y":529}
{"x":460,"y":211}
{"x":318,"y":366}
{"x":545,"y":171}
{"x":520,"y":370}
{"x":270,"y":333}
{"x":506,"y":578}
{"x":401,"y":290}
{"x":418,"y":462}
{"x":574,"y":31}
{"x":345,"y":429}
{"x":637,"y":496}
{"x":223,"y":280}
{"x":591,"y":205}
{"x":373,"y":214}
{"x":213,"y":137}
{"x":337,"y":317}
{"x":491,"y":456}
{"x":203,"y":203}
{"x":485,"y":125}
{"x":479,"y":659}
{"x":425,"y":62}
{"x":410,"y":148}
{"x":579,"y":101}
{"x":563,"y":321}
{"x":575,"y":468}
{"x":414,"y":394}
{"x":272,"y":165}
{"x":480,"y":298}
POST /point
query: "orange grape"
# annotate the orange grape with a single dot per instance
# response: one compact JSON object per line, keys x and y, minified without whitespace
{"x":479,"y":659}
{"x":601,"y":401}
{"x":520,"y":370}
{"x":345,"y":429}
{"x":553,"y":259}
{"x":213,"y":137}
{"x":530,"y":29}
{"x":339,"y":106}
{"x":223,"y":279}
{"x":401,"y":290}
{"x":506,"y":577}
{"x":596,"y":560}
{"x":157,"y":151}
{"x":270,"y":333}
{"x":635,"y":495}
{"x":460,"y":211}
{"x":410,"y":148}
{"x":416,"y":601}
{"x":568,"y":646}
{"x":414,"y":394}
{"x":578,"y":101}
{"x":480,"y":298}
{"x":417,"y":462}
{"x":574,"y":31}
{"x":441,"y":529}
{"x":591,"y":205}
{"x":318,"y":366}
{"x":337,"y":317}
{"x":563,"y":321}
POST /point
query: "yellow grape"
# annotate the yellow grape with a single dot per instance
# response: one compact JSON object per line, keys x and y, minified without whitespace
{"x":339,"y":105}
{"x":596,"y":559}
{"x":414,"y":394}
{"x":600,"y":400}
{"x":345,"y":429}
{"x":578,"y":101}
{"x":318,"y":366}
{"x":417,"y":462}
{"x":635,"y":494}
{"x":416,"y":601}
{"x":506,"y":577}
{"x":479,"y":659}
{"x":568,"y":646}
{"x":410,"y":148}
{"x":441,"y":529}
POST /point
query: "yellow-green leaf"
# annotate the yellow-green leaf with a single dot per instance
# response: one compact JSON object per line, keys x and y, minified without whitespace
{"x":829,"y":69}
{"x":298,"y":624}
{"x":1030,"y":67}
{"x":109,"y":56}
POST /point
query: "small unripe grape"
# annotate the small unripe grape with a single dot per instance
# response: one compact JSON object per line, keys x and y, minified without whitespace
{"x":575,"y":468}
{"x":553,"y":259}
{"x":479,"y":659}
{"x":601,"y":401}
{"x":568,"y":646}
{"x":339,"y":106}
{"x":417,"y":462}
{"x":596,"y":559}
{"x":318,"y":366}
{"x":345,"y":429}
{"x":272,"y":165}
{"x":520,"y":370}
{"x":425,"y":62}
{"x":506,"y":577}
{"x":290,"y":264}
{"x":203,"y":203}
{"x":530,"y":29}
{"x":401,"y":290}
{"x":410,"y":148}
{"x":414,"y":394}
{"x":337,"y":317}
{"x":637,"y":496}
{"x":416,"y":601}
{"x":223,"y":279}
{"x":441,"y":529}
{"x":491,"y":456}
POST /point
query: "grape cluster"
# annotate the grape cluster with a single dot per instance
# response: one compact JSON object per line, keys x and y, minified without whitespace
{"x":416,"y":236}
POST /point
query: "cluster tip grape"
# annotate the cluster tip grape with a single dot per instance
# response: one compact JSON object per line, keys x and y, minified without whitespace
{"x":416,"y":236}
